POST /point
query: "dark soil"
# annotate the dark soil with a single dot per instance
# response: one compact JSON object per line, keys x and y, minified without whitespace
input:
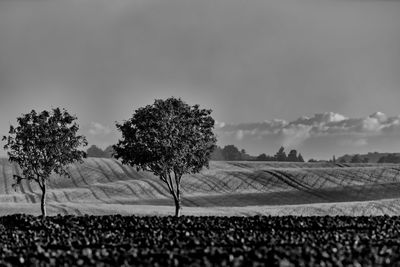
{"x":199,"y":241}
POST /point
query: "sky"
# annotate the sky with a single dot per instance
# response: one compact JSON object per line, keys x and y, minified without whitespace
{"x":320,"y":76}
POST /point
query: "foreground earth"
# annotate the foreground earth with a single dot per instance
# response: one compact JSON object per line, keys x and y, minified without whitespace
{"x":199,"y":241}
{"x":105,"y":186}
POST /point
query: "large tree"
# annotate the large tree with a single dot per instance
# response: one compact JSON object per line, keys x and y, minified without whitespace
{"x":44,"y":143}
{"x":168,"y":138}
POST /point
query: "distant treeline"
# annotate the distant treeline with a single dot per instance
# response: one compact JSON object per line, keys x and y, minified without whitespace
{"x":96,"y":152}
{"x":372,"y":157}
{"x":231,"y":152}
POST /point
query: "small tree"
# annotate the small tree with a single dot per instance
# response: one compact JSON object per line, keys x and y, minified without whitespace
{"x":292,"y":156}
{"x":169,"y":138}
{"x":281,"y":155}
{"x":300,"y":158}
{"x":44,"y":143}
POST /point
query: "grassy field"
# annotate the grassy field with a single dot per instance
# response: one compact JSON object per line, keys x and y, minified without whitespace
{"x":105,"y":186}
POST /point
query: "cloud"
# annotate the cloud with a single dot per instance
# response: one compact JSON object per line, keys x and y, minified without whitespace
{"x":324,"y":124}
{"x":98,"y":129}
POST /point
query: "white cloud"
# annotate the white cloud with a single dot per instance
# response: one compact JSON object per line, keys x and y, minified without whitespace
{"x":324,"y":124}
{"x":295,"y":135}
{"x":98,"y":129}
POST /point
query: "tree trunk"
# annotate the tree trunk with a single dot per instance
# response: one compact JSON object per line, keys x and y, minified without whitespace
{"x":43,"y":200}
{"x":177,"y":207}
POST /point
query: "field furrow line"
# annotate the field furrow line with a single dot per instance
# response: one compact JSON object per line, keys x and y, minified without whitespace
{"x":245,"y":182}
{"x":88,"y":187}
{"x":116,"y":174}
{"x":132,"y":177}
{"x":293,"y":183}
{"x":128,"y":173}
{"x":6,"y":191}
{"x":101,"y":171}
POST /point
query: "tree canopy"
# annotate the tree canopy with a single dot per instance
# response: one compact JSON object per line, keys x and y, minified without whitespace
{"x":44,"y":143}
{"x":168,"y":138}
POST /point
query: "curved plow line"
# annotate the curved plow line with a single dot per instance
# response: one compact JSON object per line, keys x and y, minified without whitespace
{"x":252,"y":181}
{"x":213,"y":185}
{"x":128,"y":173}
{"x":141,"y":190}
{"x":238,"y":165}
{"x":293,"y":183}
{"x":191,"y":203}
{"x":246,"y":181}
{"x":129,"y":187}
{"x":138,"y":190}
{"x":88,"y":187}
{"x":101,"y":171}
{"x":163,"y":191}
{"x":6,"y":191}
{"x":119,"y":176}
{"x":223,"y":184}
{"x":136,"y":183}
{"x":328,"y":176}
{"x":107,"y":174}
{"x":267,"y":182}
{"x":322,"y":179}
{"x":131,"y":177}
{"x":67,"y":196}
{"x":225,"y":181}
{"x":318,"y":181}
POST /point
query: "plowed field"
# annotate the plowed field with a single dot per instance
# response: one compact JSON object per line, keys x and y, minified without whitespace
{"x":105,"y":186}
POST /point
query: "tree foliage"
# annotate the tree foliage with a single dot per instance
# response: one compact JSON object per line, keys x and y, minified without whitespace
{"x":95,"y":152}
{"x":281,"y":155}
{"x":292,"y":156}
{"x":231,"y":152}
{"x":42,"y":144}
{"x":168,"y":138}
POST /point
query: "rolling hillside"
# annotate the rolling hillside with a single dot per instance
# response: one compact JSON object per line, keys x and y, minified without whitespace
{"x":102,"y":186}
